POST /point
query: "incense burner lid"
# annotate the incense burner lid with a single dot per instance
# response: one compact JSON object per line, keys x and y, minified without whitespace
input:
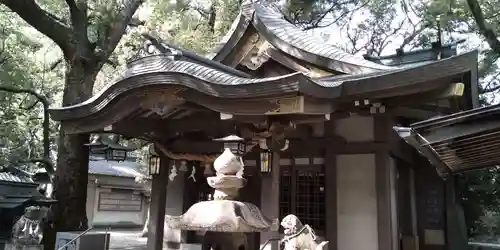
{"x":222,"y":216}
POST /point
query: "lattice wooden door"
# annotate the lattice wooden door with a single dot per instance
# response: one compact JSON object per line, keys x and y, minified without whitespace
{"x":302,"y":193}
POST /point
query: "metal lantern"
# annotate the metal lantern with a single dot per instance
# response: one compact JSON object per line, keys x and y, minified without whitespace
{"x":265,"y":162}
{"x":111,"y":151}
{"x":235,"y":143}
{"x":153,"y":162}
{"x":115,"y":154}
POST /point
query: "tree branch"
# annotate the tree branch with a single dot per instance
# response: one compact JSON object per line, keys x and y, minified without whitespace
{"x":78,"y":13}
{"x":55,"y":64}
{"x":412,"y":36}
{"x":30,"y":107}
{"x":73,"y":8}
{"x":484,"y":27}
{"x":41,"y":20}
{"x":49,"y":166}
{"x":113,"y":35}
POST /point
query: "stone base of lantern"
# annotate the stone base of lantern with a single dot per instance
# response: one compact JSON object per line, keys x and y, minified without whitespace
{"x":220,"y":240}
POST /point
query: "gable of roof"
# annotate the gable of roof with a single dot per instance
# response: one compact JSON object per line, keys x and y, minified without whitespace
{"x":291,"y":40}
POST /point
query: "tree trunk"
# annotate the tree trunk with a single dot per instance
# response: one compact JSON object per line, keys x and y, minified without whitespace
{"x":71,"y":177}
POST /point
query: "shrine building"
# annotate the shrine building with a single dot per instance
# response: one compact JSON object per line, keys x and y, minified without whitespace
{"x":318,"y":129}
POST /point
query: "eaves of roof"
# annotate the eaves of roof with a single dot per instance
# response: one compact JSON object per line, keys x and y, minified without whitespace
{"x":459,"y":142}
{"x":162,"y":70}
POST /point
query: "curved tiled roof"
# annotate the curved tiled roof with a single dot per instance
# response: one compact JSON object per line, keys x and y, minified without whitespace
{"x":163,"y":71}
{"x":9,"y":177}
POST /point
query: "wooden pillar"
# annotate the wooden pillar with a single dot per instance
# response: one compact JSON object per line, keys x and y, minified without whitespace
{"x":157,"y":207}
{"x":175,"y":206}
{"x":270,"y":195}
{"x":456,"y":230}
{"x":385,"y":176}
{"x":275,"y":193}
{"x":331,"y":188}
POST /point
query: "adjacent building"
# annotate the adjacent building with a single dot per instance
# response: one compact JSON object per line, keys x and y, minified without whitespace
{"x":114,"y":196}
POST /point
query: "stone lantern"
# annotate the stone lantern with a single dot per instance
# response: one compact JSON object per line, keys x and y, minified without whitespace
{"x":229,"y":219}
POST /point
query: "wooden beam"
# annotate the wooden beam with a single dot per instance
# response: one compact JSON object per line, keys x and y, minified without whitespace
{"x":297,"y":147}
{"x":413,"y":113}
{"x":400,"y":148}
{"x":453,"y":90}
{"x":211,"y":127}
{"x":279,"y":105}
{"x":296,"y":65}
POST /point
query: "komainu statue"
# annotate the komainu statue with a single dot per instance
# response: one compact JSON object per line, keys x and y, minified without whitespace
{"x":299,"y":236}
{"x":28,"y":230}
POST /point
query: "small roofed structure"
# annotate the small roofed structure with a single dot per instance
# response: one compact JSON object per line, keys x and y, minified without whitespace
{"x":115,"y":197}
{"x":319,"y":121}
{"x":18,"y":192}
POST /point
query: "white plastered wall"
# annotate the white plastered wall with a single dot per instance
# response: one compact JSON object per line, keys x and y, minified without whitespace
{"x":357,"y":226}
{"x":357,"y":216}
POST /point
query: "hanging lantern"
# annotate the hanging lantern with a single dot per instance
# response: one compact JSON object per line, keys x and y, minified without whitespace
{"x":236,"y":144}
{"x":153,"y":162}
{"x":265,"y":162}
{"x":111,"y":150}
{"x":115,"y":154}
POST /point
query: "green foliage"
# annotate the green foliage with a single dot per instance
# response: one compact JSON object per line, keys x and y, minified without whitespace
{"x":21,"y":115}
{"x":480,"y":198}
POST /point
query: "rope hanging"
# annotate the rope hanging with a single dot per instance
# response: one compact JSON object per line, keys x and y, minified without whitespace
{"x":297,"y":234}
{"x":208,"y":158}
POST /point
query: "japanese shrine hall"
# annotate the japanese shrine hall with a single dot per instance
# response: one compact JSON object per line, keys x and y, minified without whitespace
{"x":320,"y":122}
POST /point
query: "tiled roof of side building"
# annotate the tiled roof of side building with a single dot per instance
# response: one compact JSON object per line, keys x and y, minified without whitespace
{"x":9,"y":177}
{"x":126,"y":169}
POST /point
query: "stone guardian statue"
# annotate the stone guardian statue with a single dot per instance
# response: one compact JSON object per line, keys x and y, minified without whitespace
{"x":299,"y":236}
